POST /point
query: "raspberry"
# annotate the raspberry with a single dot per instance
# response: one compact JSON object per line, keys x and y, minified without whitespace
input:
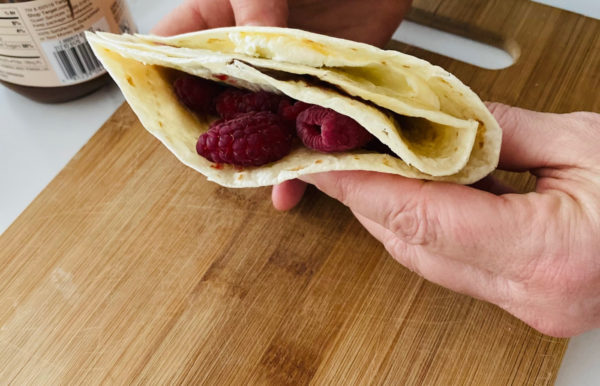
{"x":328,"y":131}
{"x":232,"y":102}
{"x":196,"y":93}
{"x":290,"y":112}
{"x":250,"y":139}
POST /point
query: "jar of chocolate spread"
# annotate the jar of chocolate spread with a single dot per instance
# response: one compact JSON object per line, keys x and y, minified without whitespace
{"x":43,"y":51}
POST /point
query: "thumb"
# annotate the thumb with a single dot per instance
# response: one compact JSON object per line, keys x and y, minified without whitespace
{"x":447,"y":219}
{"x":273,"y":13}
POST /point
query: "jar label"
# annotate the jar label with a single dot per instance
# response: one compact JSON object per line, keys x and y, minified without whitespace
{"x":42,"y":42}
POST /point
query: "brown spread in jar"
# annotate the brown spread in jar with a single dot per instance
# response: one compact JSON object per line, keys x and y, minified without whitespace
{"x":43,"y":51}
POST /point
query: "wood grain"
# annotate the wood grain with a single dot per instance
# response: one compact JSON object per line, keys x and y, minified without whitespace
{"x":131,"y":268}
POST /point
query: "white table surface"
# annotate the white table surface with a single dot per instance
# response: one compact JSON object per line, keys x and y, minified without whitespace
{"x":37,"y":140}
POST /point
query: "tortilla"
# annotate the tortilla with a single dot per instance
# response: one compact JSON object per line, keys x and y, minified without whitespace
{"x":438,"y":128}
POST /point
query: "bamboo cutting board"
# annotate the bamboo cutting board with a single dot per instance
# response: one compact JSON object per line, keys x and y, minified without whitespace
{"x":131,"y":268}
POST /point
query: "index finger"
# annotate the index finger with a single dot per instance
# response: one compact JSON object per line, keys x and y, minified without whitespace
{"x":194,"y":15}
{"x":533,"y":140}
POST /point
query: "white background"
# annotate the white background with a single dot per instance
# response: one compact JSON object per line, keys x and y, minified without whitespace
{"x":36,"y":141}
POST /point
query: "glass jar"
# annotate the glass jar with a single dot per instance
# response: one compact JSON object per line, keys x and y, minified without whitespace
{"x":43,"y":51}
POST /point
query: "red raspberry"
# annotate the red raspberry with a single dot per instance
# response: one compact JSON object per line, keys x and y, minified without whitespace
{"x":328,"y":131}
{"x":250,"y":139}
{"x":290,"y":112}
{"x":196,"y":93}
{"x":232,"y":102}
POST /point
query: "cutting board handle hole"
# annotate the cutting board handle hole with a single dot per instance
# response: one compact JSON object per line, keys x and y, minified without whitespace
{"x":460,"y":41}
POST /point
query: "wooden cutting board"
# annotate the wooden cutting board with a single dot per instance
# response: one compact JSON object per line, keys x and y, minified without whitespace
{"x":131,"y":268}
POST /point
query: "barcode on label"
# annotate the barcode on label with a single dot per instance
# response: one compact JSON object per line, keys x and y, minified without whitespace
{"x":72,"y":57}
{"x":77,"y":62}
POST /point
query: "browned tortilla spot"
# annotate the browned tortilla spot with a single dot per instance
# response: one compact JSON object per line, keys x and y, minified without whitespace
{"x":315,"y":46}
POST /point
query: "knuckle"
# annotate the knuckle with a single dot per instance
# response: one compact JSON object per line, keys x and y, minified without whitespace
{"x":412,"y":224}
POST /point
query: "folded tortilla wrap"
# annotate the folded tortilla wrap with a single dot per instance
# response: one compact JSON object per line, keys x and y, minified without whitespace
{"x":434,"y":124}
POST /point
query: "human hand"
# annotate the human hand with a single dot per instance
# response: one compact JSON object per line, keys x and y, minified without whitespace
{"x":536,"y":255}
{"x":350,"y":19}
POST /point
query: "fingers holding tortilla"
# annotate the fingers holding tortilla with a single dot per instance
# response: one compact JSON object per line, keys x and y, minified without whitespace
{"x":195,"y":15}
{"x":272,"y":13}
